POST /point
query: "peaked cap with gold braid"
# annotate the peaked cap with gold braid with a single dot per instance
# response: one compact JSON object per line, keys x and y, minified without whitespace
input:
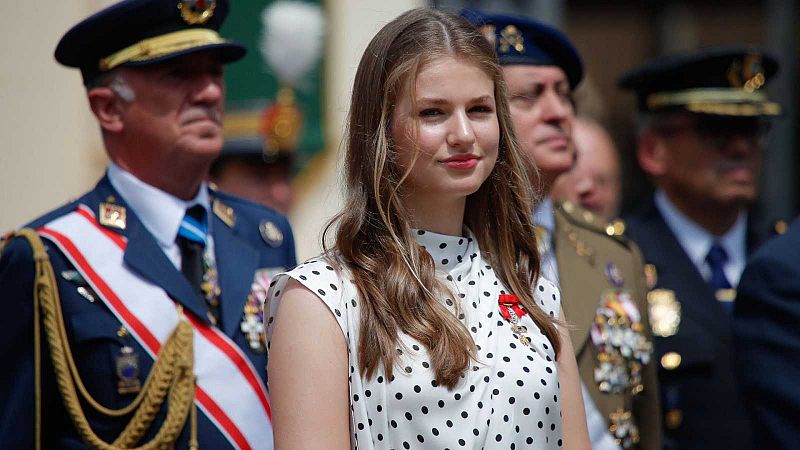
{"x":140,"y":32}
{"x":718,"y":81}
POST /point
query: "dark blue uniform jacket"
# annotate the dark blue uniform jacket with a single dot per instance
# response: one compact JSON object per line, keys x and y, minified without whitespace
{"x":92,"y":329}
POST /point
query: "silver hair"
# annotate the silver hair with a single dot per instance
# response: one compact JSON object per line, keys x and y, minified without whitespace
{"x":121,"y":87}
{"x":115,"y":81}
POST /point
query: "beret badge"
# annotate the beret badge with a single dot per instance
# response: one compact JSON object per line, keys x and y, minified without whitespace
{"x":196,"y":12}
{"x":511,"y":37}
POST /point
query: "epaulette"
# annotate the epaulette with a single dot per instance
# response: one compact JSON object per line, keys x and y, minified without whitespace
{"x":583,"y":218}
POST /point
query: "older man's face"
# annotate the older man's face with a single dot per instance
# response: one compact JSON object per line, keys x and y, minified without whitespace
{"x":178,"y":106}
{"x":711,"y":160}
{"x":542,"y":112}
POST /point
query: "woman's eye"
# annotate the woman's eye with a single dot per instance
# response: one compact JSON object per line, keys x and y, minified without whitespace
{"x":429,"y":112}
{"x":482,"y":109}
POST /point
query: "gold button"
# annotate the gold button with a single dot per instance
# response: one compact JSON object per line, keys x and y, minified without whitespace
{"x":122,"y":332}
{"x":619,"y":227}
{"x":588,"y":216}
{"x":568,"y":207}
{"x":610,"y":230}
{"x":211,"y":318}
{"x":673,"y":418}
{"x":671,"y":360}
{"x":781,"y":226}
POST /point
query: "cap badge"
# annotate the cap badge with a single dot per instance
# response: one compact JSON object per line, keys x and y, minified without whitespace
{"x":511,"y":37}
{"x":747,"y":73}
{"x":271,"y":234}
{"x":196,"y":12}
{"x":488,"y":32}
{"x":112,"y":215}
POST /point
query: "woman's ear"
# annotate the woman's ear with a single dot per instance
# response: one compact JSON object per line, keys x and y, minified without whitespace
{"x":106,"y":106}
{"x":651,"y":153}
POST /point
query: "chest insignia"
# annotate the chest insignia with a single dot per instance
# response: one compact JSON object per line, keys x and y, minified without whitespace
{"x":253,"y":321}
{"x":622,"y":347}
{"x":665,"y":312}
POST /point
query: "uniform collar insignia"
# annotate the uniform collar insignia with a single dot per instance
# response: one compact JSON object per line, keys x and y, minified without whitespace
{"x":113,"y":216}
{"x":224,"y":212}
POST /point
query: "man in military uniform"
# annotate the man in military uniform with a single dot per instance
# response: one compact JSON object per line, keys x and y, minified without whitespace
{"x":598,"y":270}
{"x":704,"y":119}
{"x":134,"y":313}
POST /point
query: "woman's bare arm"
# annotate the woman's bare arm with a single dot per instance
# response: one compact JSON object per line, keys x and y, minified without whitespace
{"x":576,"y":434}
{"x":307,"y":371}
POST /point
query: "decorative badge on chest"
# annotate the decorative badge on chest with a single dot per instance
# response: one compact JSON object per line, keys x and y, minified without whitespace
{"x":253,"y":322}
{"x":618,"y":334}
{"x":511,"y":310}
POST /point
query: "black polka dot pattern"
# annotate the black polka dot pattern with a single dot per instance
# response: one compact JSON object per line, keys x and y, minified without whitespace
{"x":507,"y":399}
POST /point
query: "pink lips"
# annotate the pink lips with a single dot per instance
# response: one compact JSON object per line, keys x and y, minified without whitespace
{"x":461,"y":162}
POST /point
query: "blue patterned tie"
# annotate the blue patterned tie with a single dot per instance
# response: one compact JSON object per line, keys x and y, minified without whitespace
{"x":716,"y":259}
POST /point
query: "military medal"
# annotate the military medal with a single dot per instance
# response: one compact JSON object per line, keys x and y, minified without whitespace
{"x":618,"y":335}
{"x":253,"y":322}
{"x":210,"y":286}
{"x":127,"y":363}
{"x":512,"y":311}
{"x":623,"y":428}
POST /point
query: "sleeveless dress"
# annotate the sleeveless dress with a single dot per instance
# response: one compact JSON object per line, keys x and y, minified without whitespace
{"x":507,"y":399}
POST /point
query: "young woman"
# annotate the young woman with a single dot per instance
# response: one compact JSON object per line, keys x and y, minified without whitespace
{"x":425,"y":325}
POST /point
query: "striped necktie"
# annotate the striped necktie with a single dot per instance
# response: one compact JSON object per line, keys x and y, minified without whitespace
{"x":192,"y":238}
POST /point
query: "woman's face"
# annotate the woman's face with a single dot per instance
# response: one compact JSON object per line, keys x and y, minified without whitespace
{"x":452,"y":120}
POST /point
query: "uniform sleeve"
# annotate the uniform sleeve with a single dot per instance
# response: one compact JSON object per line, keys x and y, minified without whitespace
{"x":17,"y":389}
{"x":548,"y":297}
{"x":767,"y":344}
{"x":319,"y":277}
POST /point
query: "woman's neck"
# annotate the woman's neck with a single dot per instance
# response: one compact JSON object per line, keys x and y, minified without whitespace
{"x":439,"y":216}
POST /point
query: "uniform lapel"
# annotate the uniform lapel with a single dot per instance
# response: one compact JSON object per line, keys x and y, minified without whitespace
{"x":579,"y":297}
{"x":144,"y":256}
{"x":677,"y":272}
{"x":236,"y":265}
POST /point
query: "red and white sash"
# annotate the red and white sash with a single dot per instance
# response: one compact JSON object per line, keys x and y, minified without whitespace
{"x":229,"y":390}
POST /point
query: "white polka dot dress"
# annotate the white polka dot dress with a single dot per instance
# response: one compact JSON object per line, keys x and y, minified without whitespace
{"x":507,"y":399}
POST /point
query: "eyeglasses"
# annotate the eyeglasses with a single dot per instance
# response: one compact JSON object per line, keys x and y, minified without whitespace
{"x":717,"y":132}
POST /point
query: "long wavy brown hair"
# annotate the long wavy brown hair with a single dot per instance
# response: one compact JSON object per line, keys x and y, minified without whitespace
{"x":398,"y":290}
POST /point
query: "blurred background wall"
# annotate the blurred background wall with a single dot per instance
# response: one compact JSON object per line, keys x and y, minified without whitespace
{"x":51,"y":150}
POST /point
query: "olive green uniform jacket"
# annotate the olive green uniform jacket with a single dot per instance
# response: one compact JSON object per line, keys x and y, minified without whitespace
{"x":586,"y":249}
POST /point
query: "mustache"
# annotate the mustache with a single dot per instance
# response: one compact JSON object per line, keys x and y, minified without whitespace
{"x":202,"y":113}
{"x":733,"y":164}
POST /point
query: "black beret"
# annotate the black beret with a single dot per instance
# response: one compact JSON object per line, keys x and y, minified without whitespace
{"x":140,"y":32}
{"x":520,"y":40}
{"x":726,"y":81}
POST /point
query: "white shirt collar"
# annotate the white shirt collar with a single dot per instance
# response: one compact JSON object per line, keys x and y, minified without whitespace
{"x":161,"y":213}
{"x":696,"y":240}
{"x":543,"y":215}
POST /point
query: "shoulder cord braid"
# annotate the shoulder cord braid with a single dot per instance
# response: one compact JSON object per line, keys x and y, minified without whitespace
{"x":172,"y":373}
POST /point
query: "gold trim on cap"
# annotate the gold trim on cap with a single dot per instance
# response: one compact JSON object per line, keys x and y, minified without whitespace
{"x":163,"y":45}
{"x":722,"y":101}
